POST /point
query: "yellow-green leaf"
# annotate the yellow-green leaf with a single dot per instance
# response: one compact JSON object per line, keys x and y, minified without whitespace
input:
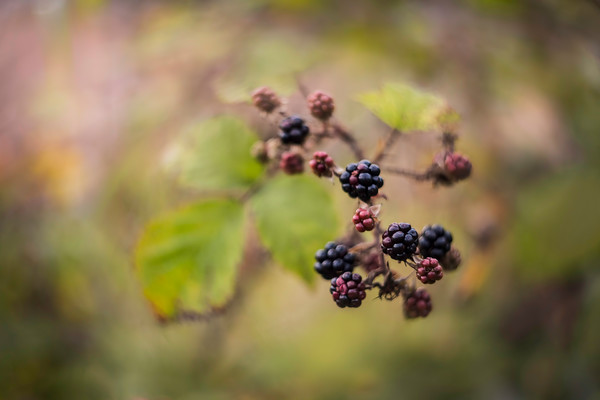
{"x":406,"y":108}
{"x":187,"y":259}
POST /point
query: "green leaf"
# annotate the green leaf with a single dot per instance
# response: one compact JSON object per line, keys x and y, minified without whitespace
{"x":295,"y":217}
{"x":556,"y":232}
{"x":187,"y":259}
{"x":407,"y":109}
{"x":215,"y":154}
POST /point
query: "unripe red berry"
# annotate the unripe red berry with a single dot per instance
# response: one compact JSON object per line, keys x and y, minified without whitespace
{"x":265,"y":99}
{"x":363,"y":220}
{"x":321,"y":105}
{"x":291,"y":163}
{"x":417,"y":304}
{"x":429,"y":270}
{"x":457,"y":166}
{"x":321,"y":164}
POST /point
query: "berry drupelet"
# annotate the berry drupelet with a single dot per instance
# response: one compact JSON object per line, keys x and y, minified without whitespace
{"x":363,"y":220}
{"x":435,"y":242}
{"x":321,"y":164}
{"x":334,"y":260}
{"x":293,"y":130}
{"x":361,"y":180}
{"x":429,"y":270}
{"x":457,"y":166}
{"x":417,"y":304}
{"x":399,"y":241}
{"x":348,"y":290}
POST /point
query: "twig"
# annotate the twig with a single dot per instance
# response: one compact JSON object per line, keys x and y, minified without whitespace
{"x":387,"y":143}
{"x":418,"y":176}
{"x":347,"y":138}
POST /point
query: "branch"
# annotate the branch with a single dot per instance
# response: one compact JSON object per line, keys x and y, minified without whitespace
{"x":387,"y":143}
{"x":418,"y":176}
{"x":347,"y":138}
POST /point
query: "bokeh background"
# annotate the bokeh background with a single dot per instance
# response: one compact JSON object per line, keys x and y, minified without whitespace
{"x":92,"y":94}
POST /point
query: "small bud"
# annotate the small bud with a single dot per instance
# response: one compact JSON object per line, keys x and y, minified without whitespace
{"x":259,"y":151}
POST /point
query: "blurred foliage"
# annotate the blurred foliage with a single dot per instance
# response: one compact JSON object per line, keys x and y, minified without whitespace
{"x":93,"y":93}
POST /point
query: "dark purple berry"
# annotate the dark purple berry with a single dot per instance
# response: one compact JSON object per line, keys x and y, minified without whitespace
{"x":399,"y":241}
{"x":435,"y":242}
{"x":334,"y":260}
{"x":348,"y":290}
{"x":361,"y":180}
{"x":293,"y":130}
{"x":291,"y":163}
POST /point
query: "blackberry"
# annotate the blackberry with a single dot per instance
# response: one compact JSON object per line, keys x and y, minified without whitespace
{"x":321,"y":105}
{"x":434,"y":242}
{"x":451,"y":260}
{"x":348,"y":290}
{"x":334,"y":260}
{"x":363,"y":220}
{"x":291,"y":163}
{"x":361,"y":180}
{"x":399,"y":241}
{"x":265,"y":99}
{"x":321,"y":164}
{"x":417,"y":304}
{"x":457,"y":166}
{"x":429,"y":270}
{"x":293,"y":130}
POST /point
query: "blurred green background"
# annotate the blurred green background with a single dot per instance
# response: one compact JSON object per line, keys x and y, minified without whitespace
{"x":93,"y":92}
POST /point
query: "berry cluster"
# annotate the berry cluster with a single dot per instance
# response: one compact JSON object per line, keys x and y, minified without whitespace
{"x":399,"y":241}
{"x":363,"y":220}
{"x":291,"y":163}
{"x":417,"y":304}
{"x":293,"y":130}
{"x":361,"y":180}
{"x":321,"y":164}
{"x":348,"y":290}
{"x":430,"y":254}
{"x":435,"y":242}
{"x":429,"y":270}
{"x":334,"y":260}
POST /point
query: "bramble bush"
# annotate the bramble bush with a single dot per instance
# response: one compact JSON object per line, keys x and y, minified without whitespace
{"x":188,"y":260}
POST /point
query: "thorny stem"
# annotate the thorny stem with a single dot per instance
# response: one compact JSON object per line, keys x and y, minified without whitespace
{"x":418,"y":176}
{"x":347,"y":138}
{"x":387,"y":143}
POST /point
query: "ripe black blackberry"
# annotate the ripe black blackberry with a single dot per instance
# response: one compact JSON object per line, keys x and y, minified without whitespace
{"x":435,"y":242}
{"x":348,"y":290}
{"x":417,"y":303}
{"x":293,"y":130}
{"x":429,"y":270}
{"x":399,"y":241}
{"x":334,"y":260}
{"x":361,"y":180}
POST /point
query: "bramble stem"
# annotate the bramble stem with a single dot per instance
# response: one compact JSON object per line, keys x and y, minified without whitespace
{"x":418,"y":176}
{"x":387,"y":143}
{"x":347,"y":138}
